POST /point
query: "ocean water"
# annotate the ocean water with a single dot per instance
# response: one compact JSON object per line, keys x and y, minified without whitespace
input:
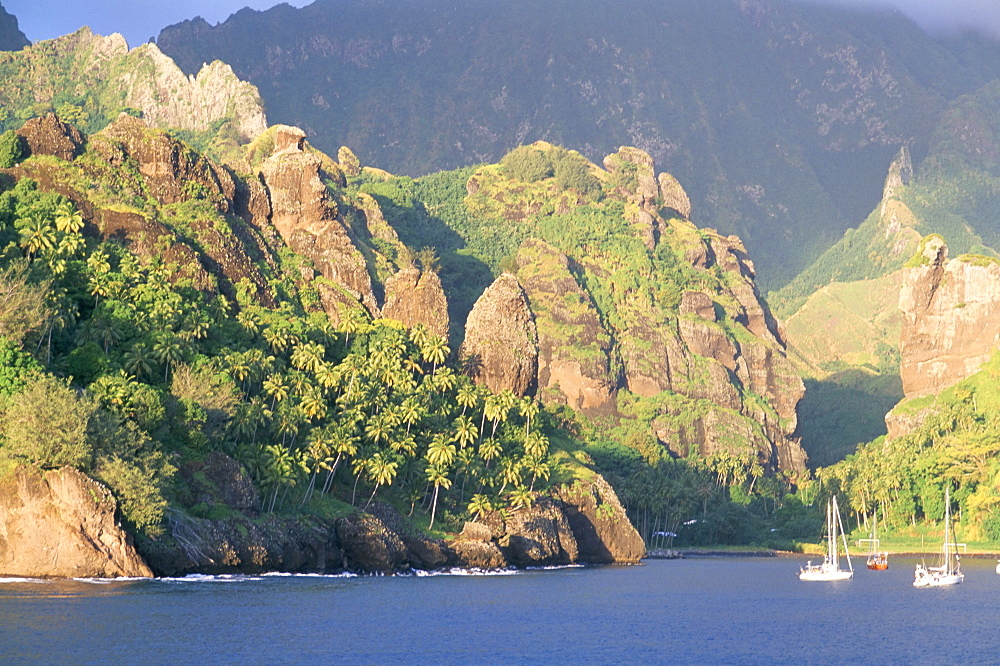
{"x":704,"y":611}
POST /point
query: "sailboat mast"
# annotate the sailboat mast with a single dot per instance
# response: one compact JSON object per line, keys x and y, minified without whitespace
{"x":832,"y":532}
{"x":947,"y":523}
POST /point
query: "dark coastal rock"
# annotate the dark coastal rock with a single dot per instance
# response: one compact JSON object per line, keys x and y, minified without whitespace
{"x":422,"y":552}
{"x":475,"y":549}
{"x":61,"y":523}
{"x":242,"y":545}
{"x":602,"y":530}
{"x":370,"y":546}
{"x":540,"y":535}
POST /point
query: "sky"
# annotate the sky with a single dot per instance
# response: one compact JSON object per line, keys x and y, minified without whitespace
{"x":139,"y":20}
{"x":136,"y":20}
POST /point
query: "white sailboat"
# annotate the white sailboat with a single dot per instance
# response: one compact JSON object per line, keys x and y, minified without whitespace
{"x":830,"y":568}
{"x":950,"y":571}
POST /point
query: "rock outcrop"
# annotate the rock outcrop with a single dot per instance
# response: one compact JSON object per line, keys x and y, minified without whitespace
{"x":950,"y":320}
{"x":602,"y":531}
{"x":414,"y":296}
{"x":48,"y":135}
{"x":574,"y":348}
{"x":541,"y":535}
{"x":143,"y":79}
{"x":306,"y":216}
{"x":501,"y":340}
{"x":61,"y":523}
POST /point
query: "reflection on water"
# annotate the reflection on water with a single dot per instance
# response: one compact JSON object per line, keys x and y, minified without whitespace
{"x":736,"y":610}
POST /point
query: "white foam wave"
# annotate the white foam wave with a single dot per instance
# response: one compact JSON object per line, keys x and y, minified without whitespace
{"x":210,"y":578}
{"x":465,"y":572}
{"x":105,"y":581}
{"x":285,"y":574}
{"x":23,"y":580}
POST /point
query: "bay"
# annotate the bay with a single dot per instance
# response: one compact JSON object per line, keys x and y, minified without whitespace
{"x":699,"y":610}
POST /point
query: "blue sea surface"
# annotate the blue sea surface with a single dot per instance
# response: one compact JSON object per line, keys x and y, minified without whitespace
{"x":704,"y":611}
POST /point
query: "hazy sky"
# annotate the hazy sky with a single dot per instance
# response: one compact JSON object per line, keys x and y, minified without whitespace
{"x":138,"y":20}
{"x":939,"y":16}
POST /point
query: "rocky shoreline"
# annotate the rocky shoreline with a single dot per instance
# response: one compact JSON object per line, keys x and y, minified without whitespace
{"x":61,"y":523}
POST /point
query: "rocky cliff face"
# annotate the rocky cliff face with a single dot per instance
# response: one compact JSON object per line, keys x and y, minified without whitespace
{"x":501,"y":339}
{"x":306,"y":216}
{"x":574,"y":349}
{"x":60,"y":523}
{"x":705,"y":356}
{"x":169,"y":98}
{"x":950,"y":323}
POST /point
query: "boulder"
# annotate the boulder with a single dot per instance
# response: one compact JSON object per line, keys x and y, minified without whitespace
{"x":414,"y":296}
{"x":370,"y":546}
{"x":540,"y":535}
{"x":475,"y":549}
{"x":61,"y":523}
{"x":501,"y":340}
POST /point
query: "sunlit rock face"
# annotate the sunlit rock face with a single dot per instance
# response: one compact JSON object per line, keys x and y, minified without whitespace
{"x":951,"y":324}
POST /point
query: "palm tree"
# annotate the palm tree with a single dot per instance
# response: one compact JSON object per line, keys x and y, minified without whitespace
{"x":536,"y":445}
{"x":466,"y":431}
{"x":480,"y":506}
{"x":439,"y":477}
{"x":312,"y":404}
{"x":308,"y":356}
{"x":434,"y":351}
{"x":440,"y":453}
{"x":276,"y":388}
{"x":168,"y":350}
{"x":538,"y":469}
{"x":137,"y":360}
{"x":510,"y":473}
{"x":353,"y":321}
{"x":381,"y":470}
{"x":521,"y":498}
{"x":489,"y":450}
{"x":445,"y":379}
{"x":68,"y":220}
{"x":410,"y":412}
{"x":529,"y":409}
{"x":37,"y":236}
{"x":466,"y":396}
{"x":344,"y":442}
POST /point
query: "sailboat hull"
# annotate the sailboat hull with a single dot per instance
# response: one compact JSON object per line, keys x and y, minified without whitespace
{"x":937,"y":579}
{"x":825,"y":575}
